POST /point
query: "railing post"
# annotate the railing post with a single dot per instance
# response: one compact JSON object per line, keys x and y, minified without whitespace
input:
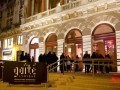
{"x":47,"y":76}
{"x":93,"y":67}
{"x":63,"y":66}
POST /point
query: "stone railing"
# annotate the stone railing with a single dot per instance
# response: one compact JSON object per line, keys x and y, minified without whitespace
{"x":62,"y":8}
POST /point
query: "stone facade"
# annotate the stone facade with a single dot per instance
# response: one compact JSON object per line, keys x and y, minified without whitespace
{"x":85,"y":17}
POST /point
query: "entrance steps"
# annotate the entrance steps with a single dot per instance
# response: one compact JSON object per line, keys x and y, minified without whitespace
{"x":82,"y":81}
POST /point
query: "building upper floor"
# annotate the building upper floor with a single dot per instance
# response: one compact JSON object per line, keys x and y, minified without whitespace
{"x":65,"y":10}
{"x":10,"y":14}
{"x":31,"y":14}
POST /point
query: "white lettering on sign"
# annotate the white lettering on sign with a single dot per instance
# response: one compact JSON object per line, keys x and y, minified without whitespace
{"x":25,"y":71}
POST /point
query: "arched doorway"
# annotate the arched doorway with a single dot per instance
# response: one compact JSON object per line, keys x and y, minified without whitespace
{"x":73,"y":44}
{"x":51,"y":43}
{"x":34,"y":48}
{"x":104,"y":41}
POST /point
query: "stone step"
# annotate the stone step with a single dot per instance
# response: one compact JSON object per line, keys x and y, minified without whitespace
{"x":86,"y":88}
{"x":84,"y":82}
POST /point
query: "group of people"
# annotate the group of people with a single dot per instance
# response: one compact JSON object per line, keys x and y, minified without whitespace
{"x":26,"y":57}
{"x":68,"y":63}
{"x":49,"y":58}
{"x":101,"y":68}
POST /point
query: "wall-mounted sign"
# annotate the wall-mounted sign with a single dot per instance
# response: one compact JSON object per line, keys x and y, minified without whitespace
{"x":7,"y":52}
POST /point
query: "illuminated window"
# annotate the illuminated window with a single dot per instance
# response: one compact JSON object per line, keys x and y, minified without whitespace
{"x":35,"y":40}
{"x":8,"y":43}
{"x":20,"y":39}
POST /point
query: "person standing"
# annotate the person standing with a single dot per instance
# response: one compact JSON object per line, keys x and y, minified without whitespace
{"x":62,"y":57}
{"x":87,"y":63}
{"x":22,"y":57}
{"x":55,"y":58}
{"x":28,"y":59}
{"x":94,"y":56}
{"x":40,"y":58}
{"x":33,"y":59}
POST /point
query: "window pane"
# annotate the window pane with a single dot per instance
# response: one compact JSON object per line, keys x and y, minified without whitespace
{"x":35,"y":40}
{"x":5,"y":43}
{"x":20,"y":39}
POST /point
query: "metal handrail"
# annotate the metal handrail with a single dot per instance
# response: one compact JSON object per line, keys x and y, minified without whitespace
{"x":54,"y":68}
{"x":101,"y":60}
{"x":85,"y":59}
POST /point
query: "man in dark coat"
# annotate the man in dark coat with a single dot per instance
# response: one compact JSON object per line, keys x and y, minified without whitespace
{"x":87,"y":63}
{"x":62,"y":57}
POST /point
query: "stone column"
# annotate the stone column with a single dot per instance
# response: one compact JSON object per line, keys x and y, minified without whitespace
{"x":59,"y":49}
{"x":87,"y":44}
{"x":47,"y":4}
{"x":118,"y":48}
{"x":41,"y":47}
{"x":32,"y":7}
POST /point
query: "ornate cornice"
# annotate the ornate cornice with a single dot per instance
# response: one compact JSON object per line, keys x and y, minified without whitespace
{"x":10,"y":32}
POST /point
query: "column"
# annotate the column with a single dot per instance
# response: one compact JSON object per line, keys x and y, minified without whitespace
{"x":29,"y":8}
{"x":87,"y":44}
{"x":41,"y":47}
{"x":59,"y":49}
{"x":47,"y":4}
{"x":32,"y":7}
{"x":43,"y":5}
{"x":118,"y":49}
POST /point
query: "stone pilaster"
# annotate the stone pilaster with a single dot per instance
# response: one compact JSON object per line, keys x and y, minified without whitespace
{"x":60,"y":47}
{"x":87,"y":44}
{"x":118,"y":48}
{"x":41,"y":48}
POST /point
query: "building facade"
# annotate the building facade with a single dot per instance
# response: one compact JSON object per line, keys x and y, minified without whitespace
{"x":69,"y":26}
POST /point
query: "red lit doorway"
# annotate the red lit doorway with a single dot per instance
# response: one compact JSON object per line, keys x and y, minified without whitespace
{"x":34,"y":48}
{"x":73,"y":44}
{"x":104,"y":41}
{"x":51,"y":43}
